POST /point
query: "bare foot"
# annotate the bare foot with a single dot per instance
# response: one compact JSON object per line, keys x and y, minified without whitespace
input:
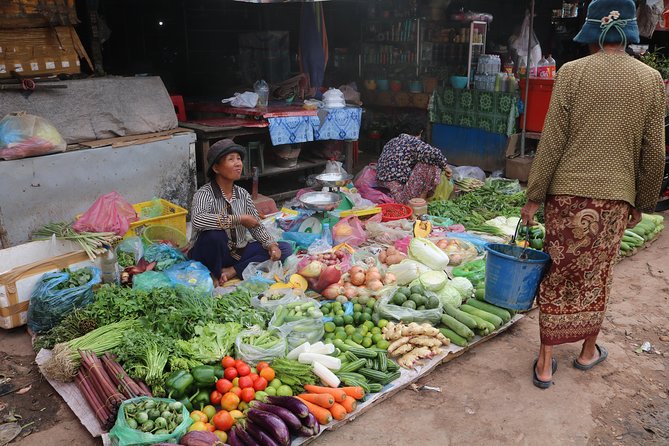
{"x":227,"y":274}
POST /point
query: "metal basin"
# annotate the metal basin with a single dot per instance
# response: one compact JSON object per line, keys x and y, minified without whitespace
{"x":333,"y":179}
{"x":320,"y":201}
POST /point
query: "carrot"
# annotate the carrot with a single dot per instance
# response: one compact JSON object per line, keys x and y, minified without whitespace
{"x":338,"y":412}
{"x":349,"y":404}
{"x":356,"y":392}
{"x":339,"y":395}
{"x":323,"y":416}
{"x":324,"y":400}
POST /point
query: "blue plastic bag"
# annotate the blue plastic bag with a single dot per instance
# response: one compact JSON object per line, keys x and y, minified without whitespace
{"x":193,"y":275}
{"x":149,"y":280}
{"x":49,"y":305}
{"x":301,"y":239}
{"x":475,"y":240}
{"x":348,"y":309}
{"x":165,"y":255}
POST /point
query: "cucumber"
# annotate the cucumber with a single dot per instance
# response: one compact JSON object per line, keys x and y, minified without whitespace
{"x":494,"y":320}
{"x":460,"y":316}
{"x":383,"y":362}
{"x":479,"y":294}
{"x":375,"y":387}
{"x":374,"y":375}
{"x":392,"y":366}
{"x":454,"y":337}
{"x":362,"y":352}
{"x":391,"y":377}
{"x":353,"y":366}
{"x":457,"y":326}
{"x":493,"y":309}
{"x":482,"y":324}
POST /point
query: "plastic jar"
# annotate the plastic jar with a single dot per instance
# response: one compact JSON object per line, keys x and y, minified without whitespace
{"x":419,"y":206}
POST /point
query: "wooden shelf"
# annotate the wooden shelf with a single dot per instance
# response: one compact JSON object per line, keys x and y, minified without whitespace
{"x":402,"y":99}
{"x":272,"y":170}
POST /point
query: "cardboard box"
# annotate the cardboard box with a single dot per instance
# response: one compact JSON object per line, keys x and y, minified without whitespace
{"x":517,"y":167}
{"x":40,"y":51}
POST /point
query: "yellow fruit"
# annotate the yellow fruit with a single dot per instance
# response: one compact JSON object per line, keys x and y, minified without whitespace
{"x":236,"y":414}
{"x":198,"y":426}
{"x":298,"y":282}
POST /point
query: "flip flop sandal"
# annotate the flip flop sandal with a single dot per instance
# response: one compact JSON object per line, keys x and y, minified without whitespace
{"x":539,"y":383}
{"x":603,"y":354}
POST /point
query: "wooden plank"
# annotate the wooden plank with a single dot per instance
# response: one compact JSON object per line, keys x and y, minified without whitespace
{"x":136,"y":138}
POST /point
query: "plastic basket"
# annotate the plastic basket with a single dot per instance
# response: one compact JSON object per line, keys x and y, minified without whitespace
{"x":394,"y":211}
{"x":158,"y":233}
{"x":173,"y":216}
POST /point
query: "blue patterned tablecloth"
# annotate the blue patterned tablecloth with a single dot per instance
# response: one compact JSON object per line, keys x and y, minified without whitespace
{"x":337,"y":124}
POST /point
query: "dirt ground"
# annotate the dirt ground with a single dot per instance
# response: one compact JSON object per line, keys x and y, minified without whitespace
{"x":486,"y":394}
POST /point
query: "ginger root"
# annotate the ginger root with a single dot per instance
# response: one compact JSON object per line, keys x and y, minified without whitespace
{"x":403,"y":349}
{"x":409,"y":359}
{"x":425,"y":341}
{"x":397,"y":344}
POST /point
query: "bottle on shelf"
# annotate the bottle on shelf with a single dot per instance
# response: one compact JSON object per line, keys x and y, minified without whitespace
{"x":109,"y":269}
{"x":543,"y":70}
{"x":551,"y":66}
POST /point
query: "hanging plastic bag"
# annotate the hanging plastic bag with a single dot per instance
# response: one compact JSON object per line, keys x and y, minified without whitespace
{"x":58,"y":293}
{"x":444,"y":189}
{"x":387,"y":309}
{"x":124,"y":435}
{"x":266,"y":271}
{"x":23,"y":135}
{"x":349,"y":230}
{"x":518,"y":42}
{"x":149,"y":280}
{"x":129,"y":251}
{"x":367,"y":186}
{"x":255,"y":345}
{"x":164,"y":255}
{"x":109,"y":213}
{"x":192,"y":275}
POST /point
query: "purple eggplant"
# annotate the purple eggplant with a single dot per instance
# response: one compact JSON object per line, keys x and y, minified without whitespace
{"x":293,"y":404}
{"x":243,"y":435}
{"x":233,"y":438}
{"x":286,"y":415}
{"x":259,"y":435}
{"x":305,"y":431}
{"x":311,"y":423}
{"x":271,"y":424}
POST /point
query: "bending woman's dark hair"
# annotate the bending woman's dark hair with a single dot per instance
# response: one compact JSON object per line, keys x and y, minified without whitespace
{"x":411,"y":128}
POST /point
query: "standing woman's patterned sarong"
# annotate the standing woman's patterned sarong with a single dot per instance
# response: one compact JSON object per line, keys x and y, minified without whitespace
{"x":583,"y":238}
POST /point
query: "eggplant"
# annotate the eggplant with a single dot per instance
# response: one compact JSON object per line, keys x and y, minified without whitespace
{"x":286,"y":415}
{"x":305,"y":431}
{"x":271,"y":424}
{"x":262,"y":438}
{"x":243,"y":435}
{"x":291,"y":403}
{"x":200,"y":438}
{"x":233,"y":438}
{"x":311,"y":422}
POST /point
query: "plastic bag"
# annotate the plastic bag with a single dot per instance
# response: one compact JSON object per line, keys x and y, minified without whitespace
{"x":386,"y":310}
{"x":270,"y":300}
{"x":49,"y":305}
{"x":152,"y":211}
{"x":349,"y":230}
{"x":248,"y":99}
{"x":109,"y":213}
{"x":504,"y":186}
{"x":23,"y":135}
{"x":319,"y":246}
{"x":129,"y":251}
{"x":475,"y":240}
{"x":388,"y":233}
{"x":164,"y":255}
{"x":474,"y":271}
{"x":192,"y":275}
{"x":253,"y":353}
{"x":266,"y":271}
{"x":149,"y":280}
{"x":459,"y":251}
{"x":463,"y":172}
{"x":444,"y":189}
{"x":518,"y":42}
{"x":334,"y":167}
{"x":124,"y":435}
{"x":348,"y":309}
{"x":366,"y":184}
{"x":298,"y":332}
{"x":403,"y":244}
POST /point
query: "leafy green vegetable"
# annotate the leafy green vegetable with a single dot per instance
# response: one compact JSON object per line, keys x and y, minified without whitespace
{"x":144,"y":354}
{"x":236,"y":307}
{"x":74,"y":325}
{"x":76,"y":278}
{"x":211,"y":342}
{"x":126,"y":259}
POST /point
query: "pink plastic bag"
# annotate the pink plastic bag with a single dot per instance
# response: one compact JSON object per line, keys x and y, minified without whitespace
{"x":349,"y":230}
{"x":402,"y":245}
{"x":366,"y":185}
{"x":110,"y":213}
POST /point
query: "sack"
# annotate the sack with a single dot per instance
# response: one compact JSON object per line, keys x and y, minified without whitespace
{"x":129,"y":251}
{"x":23,"y":135}
{"x":49,"y":305}
{"x":366,"y":184}
{"x":253,"y":354}
{"x":266,"y":271}
{"x":444,"y":189}
{"x":248,"y":99}
{"x":164,"y":255}
{"x":349,"y":230}
{"x":109,"y":213}
{"x":298,"y":332}
{"x":386,"y":310}
{"x":192,"y":275}
{"x":149,"y":280}
{"x":124,"y":435}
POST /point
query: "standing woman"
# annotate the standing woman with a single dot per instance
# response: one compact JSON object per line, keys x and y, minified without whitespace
{"x":598,"y":166}
{"x":222,"y":213}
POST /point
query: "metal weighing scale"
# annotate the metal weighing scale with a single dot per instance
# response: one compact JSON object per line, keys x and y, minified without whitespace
{"x":325,"y":201}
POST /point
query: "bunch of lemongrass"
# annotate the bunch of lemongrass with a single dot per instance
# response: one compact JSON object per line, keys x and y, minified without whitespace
{"x":92,"y":242}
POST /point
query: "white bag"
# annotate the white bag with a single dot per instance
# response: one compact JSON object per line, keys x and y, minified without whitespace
{"x":248,"y":99}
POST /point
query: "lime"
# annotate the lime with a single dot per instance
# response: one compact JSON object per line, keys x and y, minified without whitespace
{"x":367,"y":342}
{"x":348,"y":319}
{"x":357,"y":338}
{"x":371,"y":303}
{"x":284,"y":391}
{"x":356,"y":317}
{"x":419,"y":299}
{"x":368,"y":310}
{"x":325,"y":308}
{"x":383,"y":344}
{"x":367,"y":316}
{"x":375,"y":330}
{"x":404,"y":290}
{"x":377,"y":337}
{"x":357,"y":308}
{"x":336,"y":305}
{"x":399,"y":299}
{"x":432,"y":302}
{"x":276,"y":383}
{"x":329,"y":327}
{"x":421,"y":308}
{"x":409,"y":304}
{"x":369,"y":324}
{"x":339,"y":312}
{"x":350,"y":329}
{"x":382,"y":323}
{"x":363,"y":330}
{"x":417,"y":289}
{"x":341,"y":335}
{"x":338,"y":321}
{"x":271,"y":391}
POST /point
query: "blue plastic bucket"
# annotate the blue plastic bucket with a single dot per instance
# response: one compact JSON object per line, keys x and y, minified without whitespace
{"x":509,"y":281}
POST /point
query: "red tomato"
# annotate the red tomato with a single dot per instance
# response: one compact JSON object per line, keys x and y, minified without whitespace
{"x":261,"y":365}
{"x":244,"y":370}
{"x":230,"y":373}
{"x":223,"y":420}
{"x":215,"y":397}
{"x":260,"y":384}
{"x":228,"y":361}
{"x":230,"y":401}
{"x":223,"y":386}
{"x":239,"y":362}
{"x":245,"y":382}
{"x":248,"y":394}
{"x":254,"y":376}
{"x":236,"y":390}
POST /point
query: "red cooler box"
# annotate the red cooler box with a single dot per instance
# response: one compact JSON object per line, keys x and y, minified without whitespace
{"x":539,"y":100}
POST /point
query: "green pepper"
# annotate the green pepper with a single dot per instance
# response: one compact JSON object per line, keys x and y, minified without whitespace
{"x":537,"y":243}
{"x":200,"y":399}
{"x":219,"y":372}
{"x":187,"y":404}
{"x":178,"y":383}
{"x":203,"y":375}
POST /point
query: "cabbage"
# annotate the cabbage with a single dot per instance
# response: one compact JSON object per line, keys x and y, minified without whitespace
{"x":433,"y":280}
{"x":464,"y":287}
{"x":449,"y":295}
{"x":428,"y":253}
{"x":407,"y":271}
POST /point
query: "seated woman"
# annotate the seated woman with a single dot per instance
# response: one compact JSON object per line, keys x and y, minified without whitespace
{"x":221,"y":215}
{"x":409,"y":167}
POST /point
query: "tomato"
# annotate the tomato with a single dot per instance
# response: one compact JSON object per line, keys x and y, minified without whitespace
{"x":236,"y":414}
{"x":198,"y":415}
{"x":242,"y":406}
{"x":248,"y":394}
{"x":268,"y":373}
{"x":215,"y":397}
{"x":221,"y":436}
{"x":198,"y":426}
{"x":230,"y":373}
{"x":254,"y":376}
{"x":239,"y":363}
{"x":245,"y":381}
{"x":254,"y":370}
{"x":209,"y":411}
{"x":235,"y":382}
{"x":261,"y":365}
{"x":236,"y":390}
{"x":223,"y":386}
{"x":230,"y":401}
{"x":223,"y":421}
{"x":228,"y":361}
{"x":244,"y":370}
{"x":260,"y":384}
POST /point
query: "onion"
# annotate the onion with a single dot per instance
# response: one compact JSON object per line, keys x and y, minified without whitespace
{"x":358,"y":278}
{"x":372,"y":275}
{"x":332,"y":291}
{"x":355,"y":270}
{"x":373,"y":269}
{"x":374,"y":285}
{"x":351,"y":292}
{"x":389,"y":278}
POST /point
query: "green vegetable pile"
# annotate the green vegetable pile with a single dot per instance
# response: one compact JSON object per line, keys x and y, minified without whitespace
{"x":76,"y":278}
{"x":158,"y":418}
{"x":293,"y":374}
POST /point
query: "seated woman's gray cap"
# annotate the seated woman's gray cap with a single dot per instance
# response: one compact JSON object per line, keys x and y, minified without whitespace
{"x":221,"y":148}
